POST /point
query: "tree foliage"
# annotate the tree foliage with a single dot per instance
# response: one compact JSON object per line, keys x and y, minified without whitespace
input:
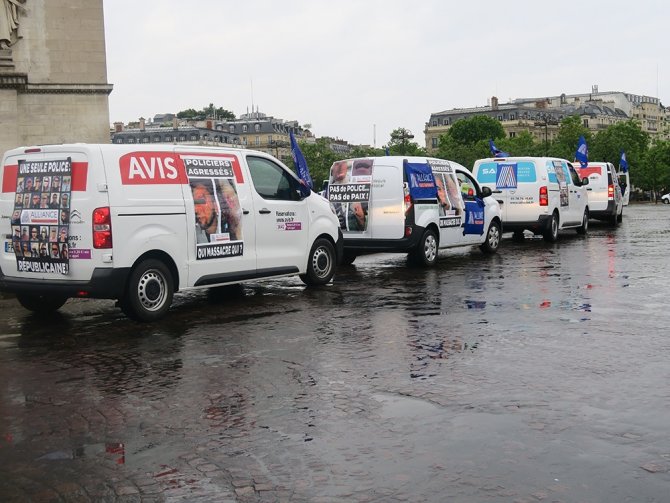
{"x":472,"y":130}
{"x":208,"y":112}
{"x":400,"y":143}
{"x":467,"y":140}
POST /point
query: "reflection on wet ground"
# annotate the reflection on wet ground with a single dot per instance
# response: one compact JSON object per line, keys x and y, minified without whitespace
{"x":538,"y":374}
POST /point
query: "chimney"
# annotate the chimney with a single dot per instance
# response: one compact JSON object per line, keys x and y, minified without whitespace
{"x":142,"y":126}
{"x":118,"y":127}
{"x":175,"y":124}
{"x":494,"y":103}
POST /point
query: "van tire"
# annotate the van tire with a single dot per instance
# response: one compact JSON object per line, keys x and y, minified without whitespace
{"x":490,"y":245}
{"x":41,"y":303}
{"x":425,"y":254}
{"x":149,"y":292}
{"x":550,"y":234}
{"x":320,"y":264}
{"x":584,"y":228}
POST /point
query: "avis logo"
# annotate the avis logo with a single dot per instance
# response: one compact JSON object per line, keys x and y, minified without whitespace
{"x":151,"y":168}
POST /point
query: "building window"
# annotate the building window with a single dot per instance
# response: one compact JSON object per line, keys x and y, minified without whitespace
{"x":231,"y":129}
{"x":118,"y":140}
{"x":145,"y":139}
{"x":435,"y":142}
{"x":182,"y":137}
{"x":258,"y":140}
{"x":244,"y":140}
{"x":257,"y":127}
{"x":435,"y":122}
{"x":512,"y":134}
{"x":245,"y":128}
{"x":586,"y":123}
{"x":500,"y":117}
{"x":157,"y":139}
{"x":269,"y":139}
{"x":511,"y":117}
{"x":168,"y":138}
{"x":194,"y":137}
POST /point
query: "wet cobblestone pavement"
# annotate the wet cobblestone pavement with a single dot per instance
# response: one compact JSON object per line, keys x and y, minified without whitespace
{"x":538,"y":374}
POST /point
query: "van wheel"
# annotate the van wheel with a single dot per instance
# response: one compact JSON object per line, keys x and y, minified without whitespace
{"x":550,"y":234}
{"x":321,"y":264}
{"x":613,"y":220}
{"x":41,"y":303}
{"x":492,"y":239}
{"x":348,"y":258}
{"x":149,"y":292}
{"x":425,"y":254}
{"x":584,"y":228}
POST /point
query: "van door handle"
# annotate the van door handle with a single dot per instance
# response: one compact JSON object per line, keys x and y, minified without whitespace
{"x":589,"y":189}
{"x":245,"y":212}
{"x":264,"y":211}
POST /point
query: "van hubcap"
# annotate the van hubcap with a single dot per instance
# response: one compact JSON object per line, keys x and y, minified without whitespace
{"x":151,"y":290}
{"x":321,"y":262}
{"x":494,"y":237}
{"x":430,"y":248}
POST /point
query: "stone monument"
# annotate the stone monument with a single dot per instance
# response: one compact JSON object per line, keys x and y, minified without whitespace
{"x":53,"y":73}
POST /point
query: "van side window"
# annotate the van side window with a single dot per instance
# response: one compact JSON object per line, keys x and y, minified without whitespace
{"x":574,"y":175}
{"x":467,"y":185}
{"x":270,"y":180}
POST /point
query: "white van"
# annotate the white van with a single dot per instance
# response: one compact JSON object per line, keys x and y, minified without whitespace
{"x":414,"y":205}
{"x":137,"y":223}
{"x":539,"y":194}
{"x":605,"y":198}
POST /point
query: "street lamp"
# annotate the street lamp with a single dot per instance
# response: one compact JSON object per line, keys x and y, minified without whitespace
{"x":403,"y":136}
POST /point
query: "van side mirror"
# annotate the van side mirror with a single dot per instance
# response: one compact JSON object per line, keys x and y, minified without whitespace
{"x":486,"y":191}
{"x":585,"y":180}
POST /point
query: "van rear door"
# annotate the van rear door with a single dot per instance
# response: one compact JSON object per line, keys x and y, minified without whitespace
{"x":48,"y":197}
{"x":387,"y":207}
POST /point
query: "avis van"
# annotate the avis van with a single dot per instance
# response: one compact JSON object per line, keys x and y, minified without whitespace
{"x":539,"y":194}
{"x":414,"y":205}
{"x":137,"y":224}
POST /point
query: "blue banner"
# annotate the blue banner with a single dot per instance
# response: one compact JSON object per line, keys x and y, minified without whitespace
{"x":420,"y":180}
{"x":474,"y":217}
{"x":582,"y":153}
{"x":495,"y":151}
{"x":623,"y":163}
{"x":300,"y":164}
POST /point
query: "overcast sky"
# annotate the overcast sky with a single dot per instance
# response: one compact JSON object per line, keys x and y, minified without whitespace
{"x":353,"y":67}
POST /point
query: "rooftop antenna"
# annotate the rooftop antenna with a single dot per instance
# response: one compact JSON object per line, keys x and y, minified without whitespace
{"x":252,"y":94}
{"x":374,"y":135}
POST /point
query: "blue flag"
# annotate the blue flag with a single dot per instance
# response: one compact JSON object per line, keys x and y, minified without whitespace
{"x":300,"y":162}
{"x":582,"y":153}
{"x":495,"y":151}
{"x":387,"y":151}
{"x":623,"y":163}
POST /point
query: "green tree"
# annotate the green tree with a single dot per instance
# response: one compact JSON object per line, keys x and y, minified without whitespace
{"x":654,"y":172}
{"x":627,"y":136}
{"x":451,"y":150}
{"x":320,"y":157}
{"x":569,"y":131}
{"x":481,"y":127}
{"x":400,"y":143}
{"x":210,"y":111}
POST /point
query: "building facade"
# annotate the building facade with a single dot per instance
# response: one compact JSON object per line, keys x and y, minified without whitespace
{"x":542,"y":116}
{"x":53,"y":73}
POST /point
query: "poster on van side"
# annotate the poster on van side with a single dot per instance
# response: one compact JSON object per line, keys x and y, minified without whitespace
{"x":562,"y":183}
{"x":41,"y":217}
{"x":448,"y":193}
{"x":217,"y":210}
{"x":349,"y":193}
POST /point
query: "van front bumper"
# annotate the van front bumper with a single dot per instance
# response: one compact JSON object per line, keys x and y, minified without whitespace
{"x":105,"y":283}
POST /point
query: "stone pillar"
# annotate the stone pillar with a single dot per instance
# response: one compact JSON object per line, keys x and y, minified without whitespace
{"x":53,"y":77}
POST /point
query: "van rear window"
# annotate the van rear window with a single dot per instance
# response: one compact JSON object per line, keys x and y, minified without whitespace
{"x":506,"y":174}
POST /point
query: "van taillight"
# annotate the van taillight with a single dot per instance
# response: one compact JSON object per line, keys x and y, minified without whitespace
{"x":544,"y":196}
{"x":408,"y":202}
{"x":610,"y":192}
{"x":102,"y":228}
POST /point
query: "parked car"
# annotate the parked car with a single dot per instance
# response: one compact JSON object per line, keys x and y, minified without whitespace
{"x":413,"y":205}
{"x":137,"y":223}
{"x":605,"y":197}
{"x":666,"y":198}
{"x":539,"y":194}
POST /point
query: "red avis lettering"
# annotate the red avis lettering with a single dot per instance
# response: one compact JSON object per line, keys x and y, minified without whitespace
{"x":139,"y":168}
